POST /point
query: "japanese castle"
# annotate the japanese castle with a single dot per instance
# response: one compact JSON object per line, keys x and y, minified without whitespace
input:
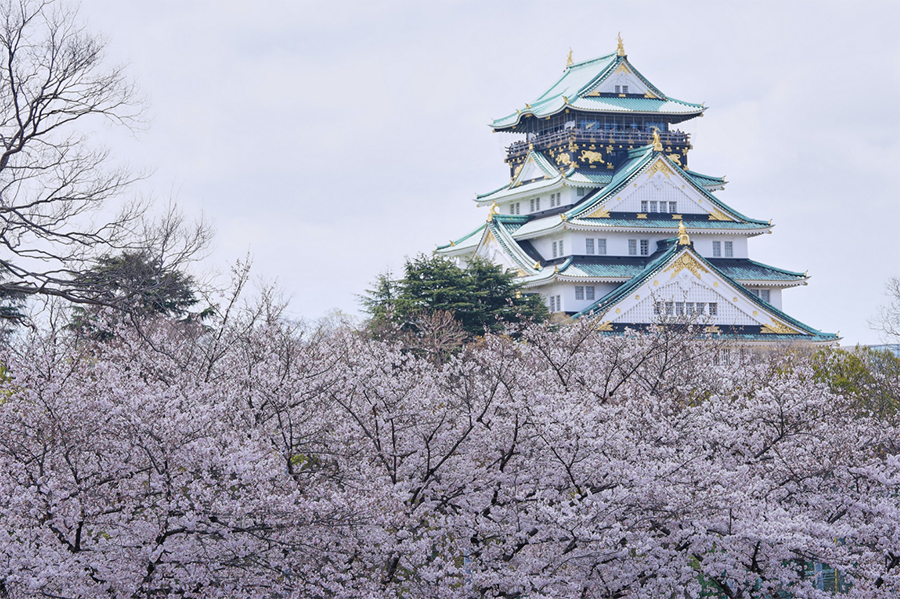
{"x":603,"y":217}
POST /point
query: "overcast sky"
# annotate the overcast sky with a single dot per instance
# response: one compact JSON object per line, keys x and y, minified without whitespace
{"x":332,"y":139}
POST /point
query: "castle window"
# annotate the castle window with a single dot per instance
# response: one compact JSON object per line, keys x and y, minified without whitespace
{"x":624,"y":89}
{"x":632,"y":247}
{"x":558,"y":304}
{"x":662,"y":206}
{"x":679,"y":308}
{"x":765,"y":295}
{"x":588,"y":246}
{"x":729,"y":249}
{"x":579,"y":292}
{"x":644,"y":206}
{"x":656,"y":307}
{"x":560,"y":247}
{"x":652,"y":206}
{"x":537,"y":204}
{"x":713,"y":309}
{"x":700,"y":307}
{"x":589,"y":293}
{"x":532,"y":204}
{"x":618,"y":89}
{"x":717,"y":249}
{"x":673,"y":207}
{"x":670,"y":308}
{"x":553,"y":303}
{"x":601,"y":247}
{"x":689,"y":308}
{"x":580,"y":191}
{"x":645,"y":247}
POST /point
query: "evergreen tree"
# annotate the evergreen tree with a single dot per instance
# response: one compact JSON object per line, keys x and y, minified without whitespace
{"x":481,"y":297}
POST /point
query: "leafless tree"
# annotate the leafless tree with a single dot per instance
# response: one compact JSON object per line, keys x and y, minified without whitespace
{"x":55,"y":187}
{"x":888,"y":320}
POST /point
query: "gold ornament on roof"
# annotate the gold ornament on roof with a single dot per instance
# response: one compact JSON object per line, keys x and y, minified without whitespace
{"x":569,"y":61}
{"x":537,"y":266}
{"x":683,"y":238}
{"x":657,"y":143}
{"x":495,"y":209}
{"x":620,"y":50}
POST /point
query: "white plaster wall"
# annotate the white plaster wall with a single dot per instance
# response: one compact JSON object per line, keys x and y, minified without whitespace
{"x":703,"y":245}
{"x":566,"y":293}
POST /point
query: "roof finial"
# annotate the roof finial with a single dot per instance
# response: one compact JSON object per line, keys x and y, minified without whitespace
{"x":683,"y":238}
{"x":495,"y":209}
{"x":620,"y":50}
{"x":657,"y":144}
{"x":569,"y":61}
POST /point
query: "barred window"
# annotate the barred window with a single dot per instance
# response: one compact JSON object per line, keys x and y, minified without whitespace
{"x":589,"y":246}
{"x":729,"y":249}
{"x":679,"y":308}
{"x":644,"y":206}
{"x":554,"y":249}
{"x":580,"y":191}
{"x":532,"y":204}
{"x":632,"y":247}
{"x":553,"y":303}
{"x":618,"y":89}
{"x":537,"y":204}
{"x":624,"y":89}
{"x":689,"y":308}
{"x":670,"y":308}
{"x":673,"y":207}
{"x":589,"y":292}
{"x":558,"y":304}
{"x":652,"y":206}
{"x":656,"y":307}
{"x":700,"y":307}
{"x":717,"y":249}
{"x":765,"y":295}
{"x":601,"y":247}
{"x":645,"y":247}
{"x":713,"y":309}
{"x":579,"y":292}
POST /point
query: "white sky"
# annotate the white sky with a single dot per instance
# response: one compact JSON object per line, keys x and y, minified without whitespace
{"x":331,"y":139}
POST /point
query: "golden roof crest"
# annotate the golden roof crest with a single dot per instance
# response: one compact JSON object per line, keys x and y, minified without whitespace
{"x":683,"y":238}
{"x":569,"y":61}
{"x":620,"y":49}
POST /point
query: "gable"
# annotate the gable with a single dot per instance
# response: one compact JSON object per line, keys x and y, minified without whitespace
{"x":490,"y":249}
{"x":661,"y":182}
{"x":687,"y":279}
{"x":622,"y":76}
{"x":529,"y":171}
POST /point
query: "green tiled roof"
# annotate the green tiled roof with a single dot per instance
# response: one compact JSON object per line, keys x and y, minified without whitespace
{"x":664,"y":257}
{"x":649,"y":223}
{"x":639,"y":158}
{"x":750,"y":270}
{"x":581,"y":78}
{"x":462,"y":239}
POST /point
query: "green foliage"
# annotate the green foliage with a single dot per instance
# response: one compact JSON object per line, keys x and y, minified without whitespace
{"x":871,"y":377}
{"x":480,"y":297}
{"x":138,"y":284}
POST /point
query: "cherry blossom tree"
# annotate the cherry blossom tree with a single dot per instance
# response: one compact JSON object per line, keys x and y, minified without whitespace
{"x":256,"y":457}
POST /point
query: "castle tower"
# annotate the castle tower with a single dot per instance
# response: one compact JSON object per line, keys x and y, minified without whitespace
{"x":602,"y":216}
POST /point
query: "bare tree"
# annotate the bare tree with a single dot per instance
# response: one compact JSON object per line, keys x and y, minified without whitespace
{"x":888,"y":320}
{"x":55,"y":218}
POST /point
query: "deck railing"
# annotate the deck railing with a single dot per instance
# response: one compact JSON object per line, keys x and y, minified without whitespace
{"x":599,"y":136}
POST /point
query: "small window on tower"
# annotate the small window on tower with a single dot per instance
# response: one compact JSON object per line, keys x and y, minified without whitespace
{"x":537,"y":204}
{"x":729,"y":249}
{"x":579,"y":292}
{"x":560,"y":247}
{"x":580,"y":191}
{"x":553,"y":303}
{"x":644,"y":206}
{"x":601,"y":247}
{"x":645,"y":247}
{"x":618,"y":89}
{"x":713,"y":309}
{"x":700,"y":307}
{"x":624,"y":89}
{"x":588,"y":246}
{"x":532,"y":204}
{"x":662,"y":206}
{"x":673,"y":207}
{"x":558,"y":303}
{"x":656,"y":307}
{"x":679,"y":308}
{"x":632,"y":247}
{"x":652,"y":206}
{"x":765,"y":295}
{"x":689,"y":308}
{"x":717,"y":249}
{"x":670,"y":308}
{"x":554,"y":249}
{"x":589,"y":293}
